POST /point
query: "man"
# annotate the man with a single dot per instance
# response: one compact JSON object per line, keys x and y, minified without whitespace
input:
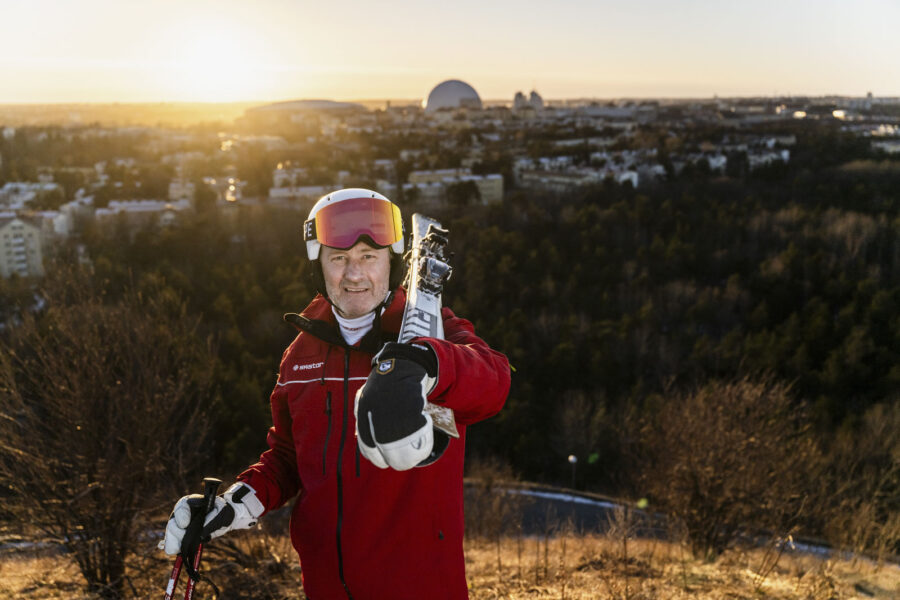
{"x":379,"y":509}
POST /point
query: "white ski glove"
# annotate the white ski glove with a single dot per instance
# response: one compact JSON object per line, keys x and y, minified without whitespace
{"x":237,"y":508}
{"x":393,"y":430}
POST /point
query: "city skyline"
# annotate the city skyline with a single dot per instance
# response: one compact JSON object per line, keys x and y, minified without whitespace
{"x":202,"y":51}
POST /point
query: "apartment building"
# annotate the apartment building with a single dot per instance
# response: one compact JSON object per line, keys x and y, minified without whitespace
{"x":20,"y":247}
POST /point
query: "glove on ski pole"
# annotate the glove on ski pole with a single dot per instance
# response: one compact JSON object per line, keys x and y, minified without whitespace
{"x":197,"y":506}
{"x":237,"y":508}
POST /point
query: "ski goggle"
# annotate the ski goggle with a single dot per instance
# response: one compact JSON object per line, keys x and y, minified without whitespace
{"x":340,"y":225}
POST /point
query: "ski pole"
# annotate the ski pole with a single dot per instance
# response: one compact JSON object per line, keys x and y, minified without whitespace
{"x":200,"y":507}
{"x":173,"y":578}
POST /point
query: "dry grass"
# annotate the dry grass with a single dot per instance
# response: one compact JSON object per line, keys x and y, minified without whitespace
{"x":569,"y":567}
{"x":251,"y":566}
{"x":582,"y":567}
{"x":26,"y":575}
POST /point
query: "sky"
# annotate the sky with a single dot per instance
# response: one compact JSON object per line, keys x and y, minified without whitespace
{"x":59,"y":51}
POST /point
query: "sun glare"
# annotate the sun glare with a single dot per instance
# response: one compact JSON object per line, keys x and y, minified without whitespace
{"x":214,"y":67}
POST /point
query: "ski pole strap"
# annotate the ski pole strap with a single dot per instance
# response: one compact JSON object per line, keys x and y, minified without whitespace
{"x":191,"y":542}
{"x":188,"y":565}
{"x":200,"y":506}
{"x":194,"y":577}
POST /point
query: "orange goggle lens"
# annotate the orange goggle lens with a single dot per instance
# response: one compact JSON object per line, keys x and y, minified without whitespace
{"x":340,"y":225}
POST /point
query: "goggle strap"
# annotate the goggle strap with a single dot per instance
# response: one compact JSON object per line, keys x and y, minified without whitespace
{"x":309,"y":230}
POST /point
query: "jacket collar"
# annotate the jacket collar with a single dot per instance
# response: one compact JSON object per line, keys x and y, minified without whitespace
{"x":318,"y":320}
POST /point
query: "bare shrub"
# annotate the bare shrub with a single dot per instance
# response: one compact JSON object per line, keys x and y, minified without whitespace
{"x":259,"y":565}
{"x":861,"y":486}
{"x":492,"y":507}
{"x":100,"y":416}
{"x":728,"y":459}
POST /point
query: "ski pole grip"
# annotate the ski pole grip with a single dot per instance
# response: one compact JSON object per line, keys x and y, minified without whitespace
{"x":210,"y":488}
{"x":200,"y":507}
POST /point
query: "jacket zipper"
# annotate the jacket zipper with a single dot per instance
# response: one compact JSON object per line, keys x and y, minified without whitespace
{"x":327,"y":432}
{"x":340,"y":481}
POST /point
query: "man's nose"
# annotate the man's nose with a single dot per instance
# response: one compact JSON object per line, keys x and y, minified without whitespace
{"x":354,"y":271}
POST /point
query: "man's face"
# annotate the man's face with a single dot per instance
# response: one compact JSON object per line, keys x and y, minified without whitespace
{"x":356,"y":279}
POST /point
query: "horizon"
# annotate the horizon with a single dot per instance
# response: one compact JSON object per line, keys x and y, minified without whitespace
{"x":418,"y":101}
{"x":486,"y":100}
{"x":104,"y":52}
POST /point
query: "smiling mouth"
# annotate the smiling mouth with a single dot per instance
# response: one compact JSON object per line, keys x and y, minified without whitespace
{"x":356,"y":290}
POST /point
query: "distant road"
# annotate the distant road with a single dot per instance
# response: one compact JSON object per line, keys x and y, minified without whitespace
{"x":546,"y":509}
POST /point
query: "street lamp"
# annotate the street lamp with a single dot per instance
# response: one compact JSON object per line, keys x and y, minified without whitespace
{"x":573,"y":460}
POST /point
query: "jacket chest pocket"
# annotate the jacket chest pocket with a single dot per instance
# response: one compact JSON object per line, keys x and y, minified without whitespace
{"x":315,"y":418}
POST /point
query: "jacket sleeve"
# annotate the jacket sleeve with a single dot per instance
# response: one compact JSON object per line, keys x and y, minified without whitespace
{"x":473,"y":379}
{"x":275,"y":477}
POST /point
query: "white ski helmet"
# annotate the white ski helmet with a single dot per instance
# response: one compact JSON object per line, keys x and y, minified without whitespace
{"x":343,"y":218}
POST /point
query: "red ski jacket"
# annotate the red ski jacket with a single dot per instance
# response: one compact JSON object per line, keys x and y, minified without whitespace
{"x":362,"y":532}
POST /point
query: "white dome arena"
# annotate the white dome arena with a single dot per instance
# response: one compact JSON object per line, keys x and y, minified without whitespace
{"x":452,"y":94}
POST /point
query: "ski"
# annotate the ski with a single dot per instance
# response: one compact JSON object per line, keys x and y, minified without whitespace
{"x":428,"y":270}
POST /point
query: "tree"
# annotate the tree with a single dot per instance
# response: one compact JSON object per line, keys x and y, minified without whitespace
{"x":463,"y":193}
{"x":49,"y":200}
{"x":729,"y":459}
{"x":204,"y":197}
{"x":101,"y":416}
{"x":860,"y":504}
{"x":70,"y":180}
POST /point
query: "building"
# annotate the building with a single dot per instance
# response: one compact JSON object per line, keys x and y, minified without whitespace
{"x":16,"y":194}
{"x":566,"y":179}
{"x":74,"y":212}
{"x":544,"y":164}
{"x":490,"y":187}
{"x":385,"y":168}
{"x":301,"y":196}
{"x":20,"y":252}
{"x":520,"y":101}
{"x":142,"y":212}
{"x":558,"y":181}
{"x":431,"y":188}
{"x":53,"y":223}
{"x":181,"y":189}
{"x":413,"y":154}
{"x":227,"y":189}
{"x":436,"y":175}
{"x":292,"y":112}
{"x":756,"y":160}
{"x":451,"y":95}
{"x":425,"y":194}
{"x":887,"y":146}
{"x":287,"y":175}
